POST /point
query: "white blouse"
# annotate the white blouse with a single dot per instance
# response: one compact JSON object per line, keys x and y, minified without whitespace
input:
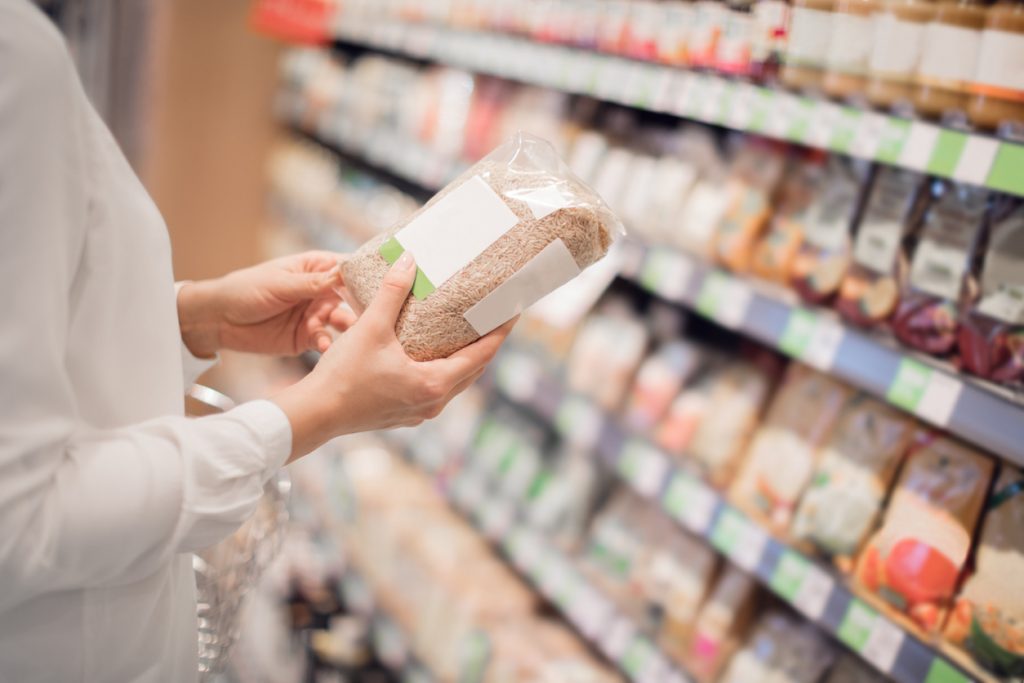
{"x":105,"y":487}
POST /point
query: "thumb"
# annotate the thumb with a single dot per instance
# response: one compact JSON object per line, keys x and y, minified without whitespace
{"x":393,"y":292}
{"x":300,"y":286}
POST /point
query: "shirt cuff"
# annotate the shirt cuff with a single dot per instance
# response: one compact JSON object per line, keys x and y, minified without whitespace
{"x":272,"y":428}
{"x":191,"y":365}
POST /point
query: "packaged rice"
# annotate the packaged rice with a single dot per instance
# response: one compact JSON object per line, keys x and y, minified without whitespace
{"x":511,"y":229}
{"x":856,"y":468}
{"x":782,"y":649}
{"x":913,"y":562}
{"x":784,"y":451}
{"x":988,"y":617}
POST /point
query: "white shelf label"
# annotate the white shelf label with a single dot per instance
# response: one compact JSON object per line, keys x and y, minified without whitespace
{"x":812,"y":596}
{"x":976,"y":160}
{"x":883,"y":644}
{"x":668,"y":273}
{"x":644,"y":467}
{"x":691,"y":502}
{"x":618,"y":638}
{"x":917,"y":150}
{"x":751,"y":544}
{"x":579,"y":422}
{"x":868,"y":135}
{"x":823,"y":123}
{"x":741,"y":110}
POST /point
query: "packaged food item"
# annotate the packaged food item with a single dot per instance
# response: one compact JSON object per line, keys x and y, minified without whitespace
{"x":617,"y":548}
{"x":781,"y":649}
{"x":680,"y":574}
{"x":641,"y":35}
{"x":611,"y":30}
{"x":721,"y":624}
{"x":948,"y":57}
{"x":913,"y":562}
{"x":784,"y":451}
{"x":708,"y":22}
{"x":824,"y":255}
{"x":534,"y":226}
{"x":871,"y":288}
{"x":728,"y":404}
{"x":705,"y":204}
{"x":988,"y":617}
{"x":606,"y":355}
{"x":658,"y":380}
{"x":940,"y":276}
{"x":771,"y":22}
{"x":775,"y":253}
{"x":807,"y":43}
{"x":673,"y":36}
{"x":754,"y":177}
{"x":851,"y":669}
{"x":997,"y":87}
{"x":856,"y":468}
{"x":896,"y":50}
{"x":849,"y":49}
{"x":991,"y":334}
{"x":732,"y":54}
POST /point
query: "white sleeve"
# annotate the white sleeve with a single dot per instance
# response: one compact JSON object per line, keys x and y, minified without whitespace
{"x":191,"y":365}
{"x":82,"y":507}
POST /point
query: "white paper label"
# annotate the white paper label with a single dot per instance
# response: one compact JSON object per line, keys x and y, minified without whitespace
{"x":949,"y":54}
{"x":938,"y":269}
{"x":1006,"y":304}
{"x":458,"y":228}
{"x":544,"y":273}
{"x":897,"y":45}
{"x":1001,"y":60}
{"x":808,"y":36}
{"x":812,"y":596}
{"x":823,"y":344}
{"x":750,"y":546}
{"x":618,"y":638}
{"x":940,"y":398}
{"x":877,"y":246}
{"x":850,"y":45}
{"x":883,"y":644}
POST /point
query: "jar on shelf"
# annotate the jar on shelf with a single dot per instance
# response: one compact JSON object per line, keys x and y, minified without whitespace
{"x":948,"y":57}
{"x":771,"y":19}
{"x":849,"y":49}
{"x":674,"y":31}
{"x":998,"y":84}
{"x":708,"y":21}
{"x":732,"y":54}
{"x":896,"y":50}
{"x":810,"y":25}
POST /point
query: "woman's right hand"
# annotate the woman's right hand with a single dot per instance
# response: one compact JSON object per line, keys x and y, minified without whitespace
{"x":365,"y":380}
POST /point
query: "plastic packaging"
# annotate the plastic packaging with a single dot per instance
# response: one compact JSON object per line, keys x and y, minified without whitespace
{"x":997,"y":87}
{"x":785,"y":448}
{"x":782,"y":649}
{"x":871,"y":289}
{"x":940,"y":275}
{"x":807,"y":45}
{"x":900,"y":27}
{"x":721,"y":623}
{"x":857,"y":466}
{"x":658,"y":380}
{"x":849,"y":50}
{"x":605,"y":357}
{"x":988,"y":618}
{"x":913,"y":562}
{"x":948,"y":57}
{"x":511,"y":229}
{"x":991,"y":335}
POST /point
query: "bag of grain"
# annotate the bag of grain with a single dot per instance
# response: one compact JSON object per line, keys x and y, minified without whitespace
{"x":514,"y":227}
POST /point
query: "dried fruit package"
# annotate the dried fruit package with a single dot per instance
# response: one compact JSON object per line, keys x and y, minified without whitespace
{"x":870,"y":290}
{"x":856,"y":468}
{"x":988,"y":617}
{"x":775,"y":253}
{"x":511,"y":229}
{"x":754,"y":177}
{"x":991,"y":335}
{"x":913,"y":562}
{"x":940,"y":274}
{"x":782,"y":649}
{"x":824,"y":257}
{"x":658,"y":380}
{"x":785,"y":448}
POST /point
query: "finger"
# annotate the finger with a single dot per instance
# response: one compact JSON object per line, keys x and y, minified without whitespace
{"x":469,"y":359}
{"x":322,"y":341}
{"x":342,"y":318}
{"x":394,"y":290}
{"x":302,"y":286}
{"x":317,"y":260}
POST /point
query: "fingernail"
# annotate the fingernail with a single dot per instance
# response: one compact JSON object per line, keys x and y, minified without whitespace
{"x":405,"y":261}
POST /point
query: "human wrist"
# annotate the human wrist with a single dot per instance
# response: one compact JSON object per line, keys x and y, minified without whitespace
{"x":313,"y":413}
{"x":200,"y":317}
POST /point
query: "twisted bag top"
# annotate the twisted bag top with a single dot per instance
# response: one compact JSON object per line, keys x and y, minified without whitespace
{"x":511,"y":229}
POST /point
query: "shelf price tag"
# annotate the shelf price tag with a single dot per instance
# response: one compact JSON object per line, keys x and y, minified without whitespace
{"x":739,"y":539}
{"x":928,"y":393}
{"x":618,"y":637}
{"x":844,"y":129}
{"x":590,"y":611}
{"x":667,"y":272}
{"x":638,"y":658}
{"x":691,"y":502}
{"x":496,"y":517}
{"x":579,"y":422}
{"x":662,"y":89}
{"x":741,"y":108}
{"x":643,"y":466}
{"x":710,"y":105}
{"x":876,"y":638}
{"x":868,"y":138}
{"x":942,"y":671}
{"x":811,"y":338}
{"x":519,"y":376}
{"x":724,"y":299}
{"x":802,"y":583}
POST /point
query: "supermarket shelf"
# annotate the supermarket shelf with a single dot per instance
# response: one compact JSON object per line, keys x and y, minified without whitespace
{"x":794,"y":577}
{"x":968,"y":157}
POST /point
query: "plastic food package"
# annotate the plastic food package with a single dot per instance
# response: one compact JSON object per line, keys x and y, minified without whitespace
{"x":914,"y":560}
{"x":940,"y":275}
{"x":724,"y":409}
{"x":870,"y":290}
{"x":605,"y":356}
{"x":856,"y":468}
{"x":721,"y":623}
{"x":988,"y":618}
{"x":618,"y":547}
{"x":782,"y":649}
{"x":991,"y":334}
{"x":658,"y":380}
{"x":824,"y":256}
{"x":755,"y":174}
{"x":785,"y":449}
{"x":511,"y":229}
{"x":680,"y":573}
{"x":705,"y":204}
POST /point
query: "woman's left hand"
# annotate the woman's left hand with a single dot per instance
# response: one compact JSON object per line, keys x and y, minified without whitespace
{"x":281,"y":307}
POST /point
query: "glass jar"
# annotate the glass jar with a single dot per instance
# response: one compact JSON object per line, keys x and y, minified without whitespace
{"x":810,"y":25}
{"x":896,"y":50}
{"x":998,"y":85}
{"x":948,"y":56}
{"x":849,"y":49}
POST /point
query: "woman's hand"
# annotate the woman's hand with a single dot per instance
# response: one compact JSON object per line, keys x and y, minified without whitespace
{"x":365,"y":380}
{"x":279,"y":307}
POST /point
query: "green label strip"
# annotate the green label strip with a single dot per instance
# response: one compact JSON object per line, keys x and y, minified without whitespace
{"x":856,"y":626}
{"x":894,"y":136}
{"x":798,"y":333}
{"x":909,"y":384}
{"x":789,"y":575}
{"x":1007,"y":173}
{"x":422,"y":287}
{"x":942,"y":672}
{"x":948,"y":148}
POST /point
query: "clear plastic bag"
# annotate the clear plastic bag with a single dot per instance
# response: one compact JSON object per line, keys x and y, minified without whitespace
{"x":512,"y":228}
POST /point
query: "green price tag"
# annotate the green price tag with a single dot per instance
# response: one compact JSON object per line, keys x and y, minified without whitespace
{"x":630,"y":460}
{"x":728,"y":531}
{"x":691,"y":502}
{"x":942,"y":671}
{"x":762,"y":108}
{"x":1005,"y":173}
{"x":856,"y":626}
{"x":711,"y":294}
{"x":845,"y":130}
{"x":894,"y":136}
{"x":797,"y":335}
{"x":909,"y":384}
{"x":636,"y":658}
{"x":789,"y":575}
{"x":801,"y":121}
